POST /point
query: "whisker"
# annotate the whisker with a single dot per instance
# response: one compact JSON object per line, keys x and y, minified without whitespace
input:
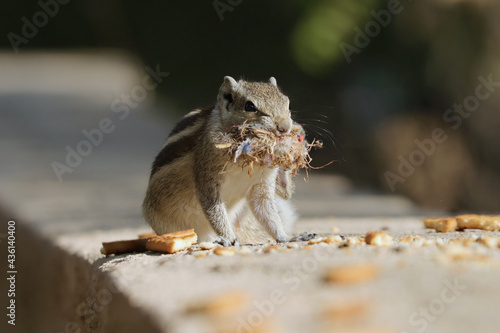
{"x":325,"y":130}
{"x":324,"y":106}
{"x":304,"y":120}
{"x":323,"y":133}
{"x":313,"y":114}
{"x":315,"y":123}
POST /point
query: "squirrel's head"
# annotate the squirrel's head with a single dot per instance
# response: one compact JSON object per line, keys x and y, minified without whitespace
{"x":258,"y":103}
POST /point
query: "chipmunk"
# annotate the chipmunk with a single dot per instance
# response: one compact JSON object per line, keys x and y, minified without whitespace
{"x":194,"y":185}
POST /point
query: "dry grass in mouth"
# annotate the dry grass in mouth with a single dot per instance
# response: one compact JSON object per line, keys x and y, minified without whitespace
{"x":250,"y":145}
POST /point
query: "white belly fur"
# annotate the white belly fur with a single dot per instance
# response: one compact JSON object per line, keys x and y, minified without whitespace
{"x":235,"y":187}
{"x":237,"y":183}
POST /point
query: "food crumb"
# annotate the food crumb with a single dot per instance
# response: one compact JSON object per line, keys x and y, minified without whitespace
{"x":378,"y":238}
{"x":244,"y":250}
{"x":207,"y":245}
{"x":348,"y":310}
{"x":488,"y":241}
{"x":270,"y":248}
{"x":441,"y":224}
{"x":316,"y":240}
{"x":225,"y":304}
{"x":224,"y":251}
{"x":351,"y":274}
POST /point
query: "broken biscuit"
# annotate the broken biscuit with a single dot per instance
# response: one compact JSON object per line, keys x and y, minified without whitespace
{"x":124,"y":246}
{"x":484,"y":222}
{"x":172,"y":242}
{"x":441,"y":224}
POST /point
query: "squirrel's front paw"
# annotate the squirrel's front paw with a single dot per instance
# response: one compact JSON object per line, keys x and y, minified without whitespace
{"x":305,"y":236}
{"x":224,"y":242}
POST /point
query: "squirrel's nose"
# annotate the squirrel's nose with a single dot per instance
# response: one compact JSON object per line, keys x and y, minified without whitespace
{"x":283,"y":126}
{"x":281,"y":130}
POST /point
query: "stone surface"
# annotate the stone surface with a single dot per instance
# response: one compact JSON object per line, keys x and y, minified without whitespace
{"x":286,"y":288}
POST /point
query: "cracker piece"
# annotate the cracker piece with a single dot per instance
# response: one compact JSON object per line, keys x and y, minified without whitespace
{"x":378,"y":238}
{"x":124,"y":246}
{"x":483,"y":222}
{"x":441,"y":224}
{"x":172,"y":242}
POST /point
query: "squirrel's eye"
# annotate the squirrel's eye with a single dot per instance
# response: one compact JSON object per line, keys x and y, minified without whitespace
{"x":229,"y":98}
{"x":249,"y":106}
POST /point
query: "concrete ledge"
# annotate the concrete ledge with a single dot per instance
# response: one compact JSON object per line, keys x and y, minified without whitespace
{"x":156,"y":291}
{"x":63,"y":291}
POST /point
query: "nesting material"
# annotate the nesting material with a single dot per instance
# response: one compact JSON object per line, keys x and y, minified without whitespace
{"x":249,"y":145}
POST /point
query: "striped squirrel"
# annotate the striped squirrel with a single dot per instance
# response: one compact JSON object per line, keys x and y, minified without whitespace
{"x":194,"y":185}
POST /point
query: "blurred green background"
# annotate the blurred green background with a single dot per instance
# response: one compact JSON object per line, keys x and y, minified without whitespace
{"x":367,"y":77}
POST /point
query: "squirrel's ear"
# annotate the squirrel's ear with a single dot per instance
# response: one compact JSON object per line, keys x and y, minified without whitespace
{"x":229,"y":84}
{"x":226,"y":91}
{"x":272,"y":81}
